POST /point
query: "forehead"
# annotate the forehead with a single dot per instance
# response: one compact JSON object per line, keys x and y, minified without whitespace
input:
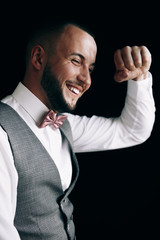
{"x":74,"y":39}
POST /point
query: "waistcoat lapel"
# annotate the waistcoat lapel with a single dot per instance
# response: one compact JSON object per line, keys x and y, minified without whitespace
{"x":66,"y":130}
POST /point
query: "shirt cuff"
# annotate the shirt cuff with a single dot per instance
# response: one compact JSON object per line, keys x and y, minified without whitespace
{"x":138,"y":89}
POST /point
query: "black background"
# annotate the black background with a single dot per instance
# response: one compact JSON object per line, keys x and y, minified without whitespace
{"x":118,"y":191}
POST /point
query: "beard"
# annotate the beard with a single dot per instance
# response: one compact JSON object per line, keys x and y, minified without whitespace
{"x":54,"y":92}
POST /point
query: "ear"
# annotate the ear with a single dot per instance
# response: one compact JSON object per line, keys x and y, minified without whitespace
{"x":37,"y":57}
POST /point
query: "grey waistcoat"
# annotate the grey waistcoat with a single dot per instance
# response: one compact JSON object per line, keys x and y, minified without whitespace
{"x":44,"y":210}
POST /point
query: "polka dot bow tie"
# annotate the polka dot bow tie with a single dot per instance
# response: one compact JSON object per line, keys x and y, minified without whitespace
{"x":51,"y":118}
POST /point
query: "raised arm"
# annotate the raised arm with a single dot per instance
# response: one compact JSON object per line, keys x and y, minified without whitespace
{"x":135,"y":123}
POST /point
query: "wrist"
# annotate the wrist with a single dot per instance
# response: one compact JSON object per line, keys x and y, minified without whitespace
{"x":141,"y":77}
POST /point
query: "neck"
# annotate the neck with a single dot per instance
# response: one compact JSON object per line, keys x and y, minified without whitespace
{"x":34,"y":85}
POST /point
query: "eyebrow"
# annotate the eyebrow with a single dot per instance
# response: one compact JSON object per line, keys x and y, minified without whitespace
{"x":82,"y":57}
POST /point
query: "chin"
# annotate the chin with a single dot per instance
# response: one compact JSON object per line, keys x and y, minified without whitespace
{"x":71,"y":103}
{"x":71,"y":107}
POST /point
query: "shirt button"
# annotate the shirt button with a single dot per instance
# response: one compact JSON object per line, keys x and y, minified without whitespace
{"x":62,"y":203}
{"x":68,"y":226}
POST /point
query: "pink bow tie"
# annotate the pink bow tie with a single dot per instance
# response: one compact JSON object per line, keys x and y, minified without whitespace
{"x":52,"y":119}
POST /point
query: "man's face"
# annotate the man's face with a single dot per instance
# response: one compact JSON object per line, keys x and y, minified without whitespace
{"x":67,"y":74}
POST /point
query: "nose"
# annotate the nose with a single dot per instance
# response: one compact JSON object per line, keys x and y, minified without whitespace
{"x":84,"y":76}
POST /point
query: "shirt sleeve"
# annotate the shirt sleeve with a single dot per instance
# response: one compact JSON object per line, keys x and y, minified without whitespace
{"x":132,"y":127}
{"x":8,"y":189}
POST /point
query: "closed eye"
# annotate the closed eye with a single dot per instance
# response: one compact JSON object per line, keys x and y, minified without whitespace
{"x":75,"y":61}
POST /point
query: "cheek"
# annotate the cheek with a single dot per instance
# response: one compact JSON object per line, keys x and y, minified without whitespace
{"x":66,"y":73}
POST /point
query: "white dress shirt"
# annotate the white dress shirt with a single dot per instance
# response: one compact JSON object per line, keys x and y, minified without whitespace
{"x":89,"y":134}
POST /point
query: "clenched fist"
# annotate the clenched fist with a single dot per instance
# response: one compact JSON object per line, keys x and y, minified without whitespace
{"x":132,"y":63}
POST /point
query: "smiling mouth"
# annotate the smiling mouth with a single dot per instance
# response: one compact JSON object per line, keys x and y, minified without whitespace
{"x":73,"y":89}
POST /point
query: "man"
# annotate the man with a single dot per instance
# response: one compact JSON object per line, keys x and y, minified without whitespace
{"x":38,"y":168}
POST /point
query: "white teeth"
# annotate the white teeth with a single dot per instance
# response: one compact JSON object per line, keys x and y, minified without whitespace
{"x":75,"y":90}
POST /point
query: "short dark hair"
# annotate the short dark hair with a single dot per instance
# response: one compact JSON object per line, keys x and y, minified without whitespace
{"x":45,"y":34}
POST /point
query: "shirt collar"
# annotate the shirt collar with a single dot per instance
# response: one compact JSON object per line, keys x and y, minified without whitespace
{"x":30,"y":103}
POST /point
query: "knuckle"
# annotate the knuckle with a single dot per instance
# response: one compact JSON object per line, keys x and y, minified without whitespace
{"x":126,"y":48}
{"x":143,"y":48}
{"x":135,"y":47}
{"x":118,"y":50}
{"x":121,"y":66}
{"x":130,"y":66}
{"x":146,"y":59}
{"x":137,"y":62}
{"x":116,"y":53}
{"x":146,"y":50}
